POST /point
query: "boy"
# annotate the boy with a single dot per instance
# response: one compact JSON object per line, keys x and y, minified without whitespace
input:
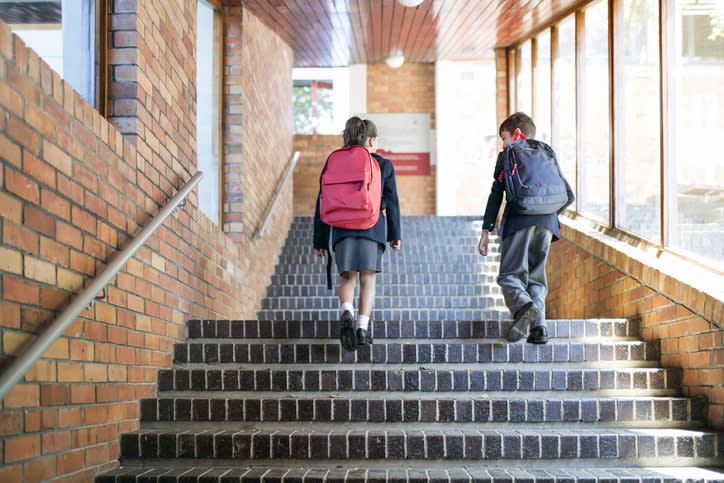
{"x":525,"y":240}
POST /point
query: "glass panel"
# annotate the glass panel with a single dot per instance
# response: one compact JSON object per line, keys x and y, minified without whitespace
{"x":564,"y":100}
{"x":697,"y":113}
{"x":313,"y":106}
{"x":207,"y":113}
{"x":476,"y":148}
{"x":321,"y":100}
{"x":62,"y":33}
{"x":524,"y":88}
{"x":638,"y":122}
{"x":593,"y":168}
{"x":542,"y":85}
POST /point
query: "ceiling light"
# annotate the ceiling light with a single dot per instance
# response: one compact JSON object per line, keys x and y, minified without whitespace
{"x":395,"y":60}
{"x":410,"y":3}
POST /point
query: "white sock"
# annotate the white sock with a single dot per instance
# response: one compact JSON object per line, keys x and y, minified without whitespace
{"x":348,"y":306}
{"x":363,"y":321}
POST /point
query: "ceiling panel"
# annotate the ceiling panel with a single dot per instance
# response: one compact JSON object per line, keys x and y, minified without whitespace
{"x":329,"y":33}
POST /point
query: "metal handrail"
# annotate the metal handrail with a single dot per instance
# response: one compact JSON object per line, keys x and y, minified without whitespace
{"x":278,"y":195}
{"x":17,"y":369}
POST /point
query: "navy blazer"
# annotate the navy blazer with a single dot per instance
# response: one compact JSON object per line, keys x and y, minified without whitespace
{"x":390,"y":205}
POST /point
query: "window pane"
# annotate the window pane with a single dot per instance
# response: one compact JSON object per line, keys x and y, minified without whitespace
{"x":564,"y":100}
{"x":313,"y":106}
{"x":321,"y":99}
{"x":207,"y":113}
{"x":476,"y":146}
{"x":638,"y":122}
{"x":524,"y":80}
{"x":62,"y":33}
{"x":593,"y":168}
{"x":542,"y":108}
{"x":697,"y":113}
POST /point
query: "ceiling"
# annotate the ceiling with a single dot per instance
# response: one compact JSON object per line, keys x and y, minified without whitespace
{"x":329,"y":33}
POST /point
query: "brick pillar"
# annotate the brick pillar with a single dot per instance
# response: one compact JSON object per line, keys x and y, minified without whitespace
{"x":501,"y":85}
{"x":233,"y":215}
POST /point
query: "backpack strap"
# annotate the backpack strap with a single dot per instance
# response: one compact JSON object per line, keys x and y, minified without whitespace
{"x":329,"y":270}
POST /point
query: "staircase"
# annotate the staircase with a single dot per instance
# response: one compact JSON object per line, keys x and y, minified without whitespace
{"x":439,"y":397}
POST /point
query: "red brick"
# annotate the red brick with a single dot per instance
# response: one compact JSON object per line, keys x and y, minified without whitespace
{"x":82,"y":263}
{"x":22,"y":448}
{"x":56,"y":441}
{"x":20,"y":291}
{"x":82,"y":394}
{"x":20,"y":237}
{"x":39,"y":121}
{"x":22,"y":186}
{"x":39,"y":221}
{"x":23,"y":134}
{"x":52,"y":203}
{"x":54,"y":394}
{"x":68,"y":234}
{"x":11,"y":423}
{"x":70,"y":462}
{"x":39,"y":471}
{"x":11,"y":100}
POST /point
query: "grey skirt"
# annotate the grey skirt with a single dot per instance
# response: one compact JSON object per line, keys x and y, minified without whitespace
{"x":356,"y":253}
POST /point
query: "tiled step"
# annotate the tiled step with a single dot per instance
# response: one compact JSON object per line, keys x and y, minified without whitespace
{"x":408,"y":329}
{"x":491,"y":313}
{"x":479,"y":269}
{"x":388,"y":279}
{"x":433,"y":408}
{"x":622,"y":381}
{"x":412,"y":351}
{"x":408,"y":291}
{"x":403,"y":259}
{"x":380,"y":442}
{"x":466,"y":473}
{"x":381,"y":302}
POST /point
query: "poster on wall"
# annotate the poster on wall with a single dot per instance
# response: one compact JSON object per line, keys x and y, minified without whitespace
{"x":404,"y":139}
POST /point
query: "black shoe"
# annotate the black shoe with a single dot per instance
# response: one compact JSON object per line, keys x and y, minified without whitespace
{"x":346,"y":331}
{"x":538,"y":335}
{"x":522,"y":320}
{"x":363,"y":337}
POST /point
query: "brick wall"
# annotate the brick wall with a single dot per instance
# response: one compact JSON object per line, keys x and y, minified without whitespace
{"x":595,"y":276}
{"x":313,"y":152}
{"x":411,"y":88}
{"x":74,"y":187}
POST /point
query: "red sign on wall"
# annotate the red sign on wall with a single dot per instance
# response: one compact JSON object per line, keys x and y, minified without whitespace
{"x":408,"y":164}
{"x":404,"y":139}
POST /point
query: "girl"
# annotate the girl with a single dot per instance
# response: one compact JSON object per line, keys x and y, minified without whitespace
{"x":360,"y":251}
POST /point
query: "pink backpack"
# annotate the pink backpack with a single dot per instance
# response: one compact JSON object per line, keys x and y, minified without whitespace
{"x":351,"y":189}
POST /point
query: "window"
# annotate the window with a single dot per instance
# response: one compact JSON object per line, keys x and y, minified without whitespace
{"x":593,"y":168}
{"x":63,"y":34}
{"x":542,"y":87}
{"x":696,"y":113}
{"x":564,"y":99}
{"x":208,"y":116}
{"x":638,"y":123}
{"x":321,"y":100}
{"x":524,"y":85}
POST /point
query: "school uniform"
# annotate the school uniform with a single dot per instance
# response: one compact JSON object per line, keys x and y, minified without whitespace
{"x":525,"y":241}
{"x":357,"y":250}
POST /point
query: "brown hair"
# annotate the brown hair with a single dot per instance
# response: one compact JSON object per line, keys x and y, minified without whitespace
{"x":358,"y":131}
{"x":521,"y":121}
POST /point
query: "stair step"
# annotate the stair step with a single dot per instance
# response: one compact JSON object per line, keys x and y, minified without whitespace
{"x":433,"y":408}
{"x":385,"y":302}
{"x":430,"y":473}
{"x":622,"y":381}
{"x":412,"y":351}
{"x":408,"y":329}
{"x":670,"y":446}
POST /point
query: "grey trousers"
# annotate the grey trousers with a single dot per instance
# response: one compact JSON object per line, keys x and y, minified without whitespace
{"x":522,"y":275}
